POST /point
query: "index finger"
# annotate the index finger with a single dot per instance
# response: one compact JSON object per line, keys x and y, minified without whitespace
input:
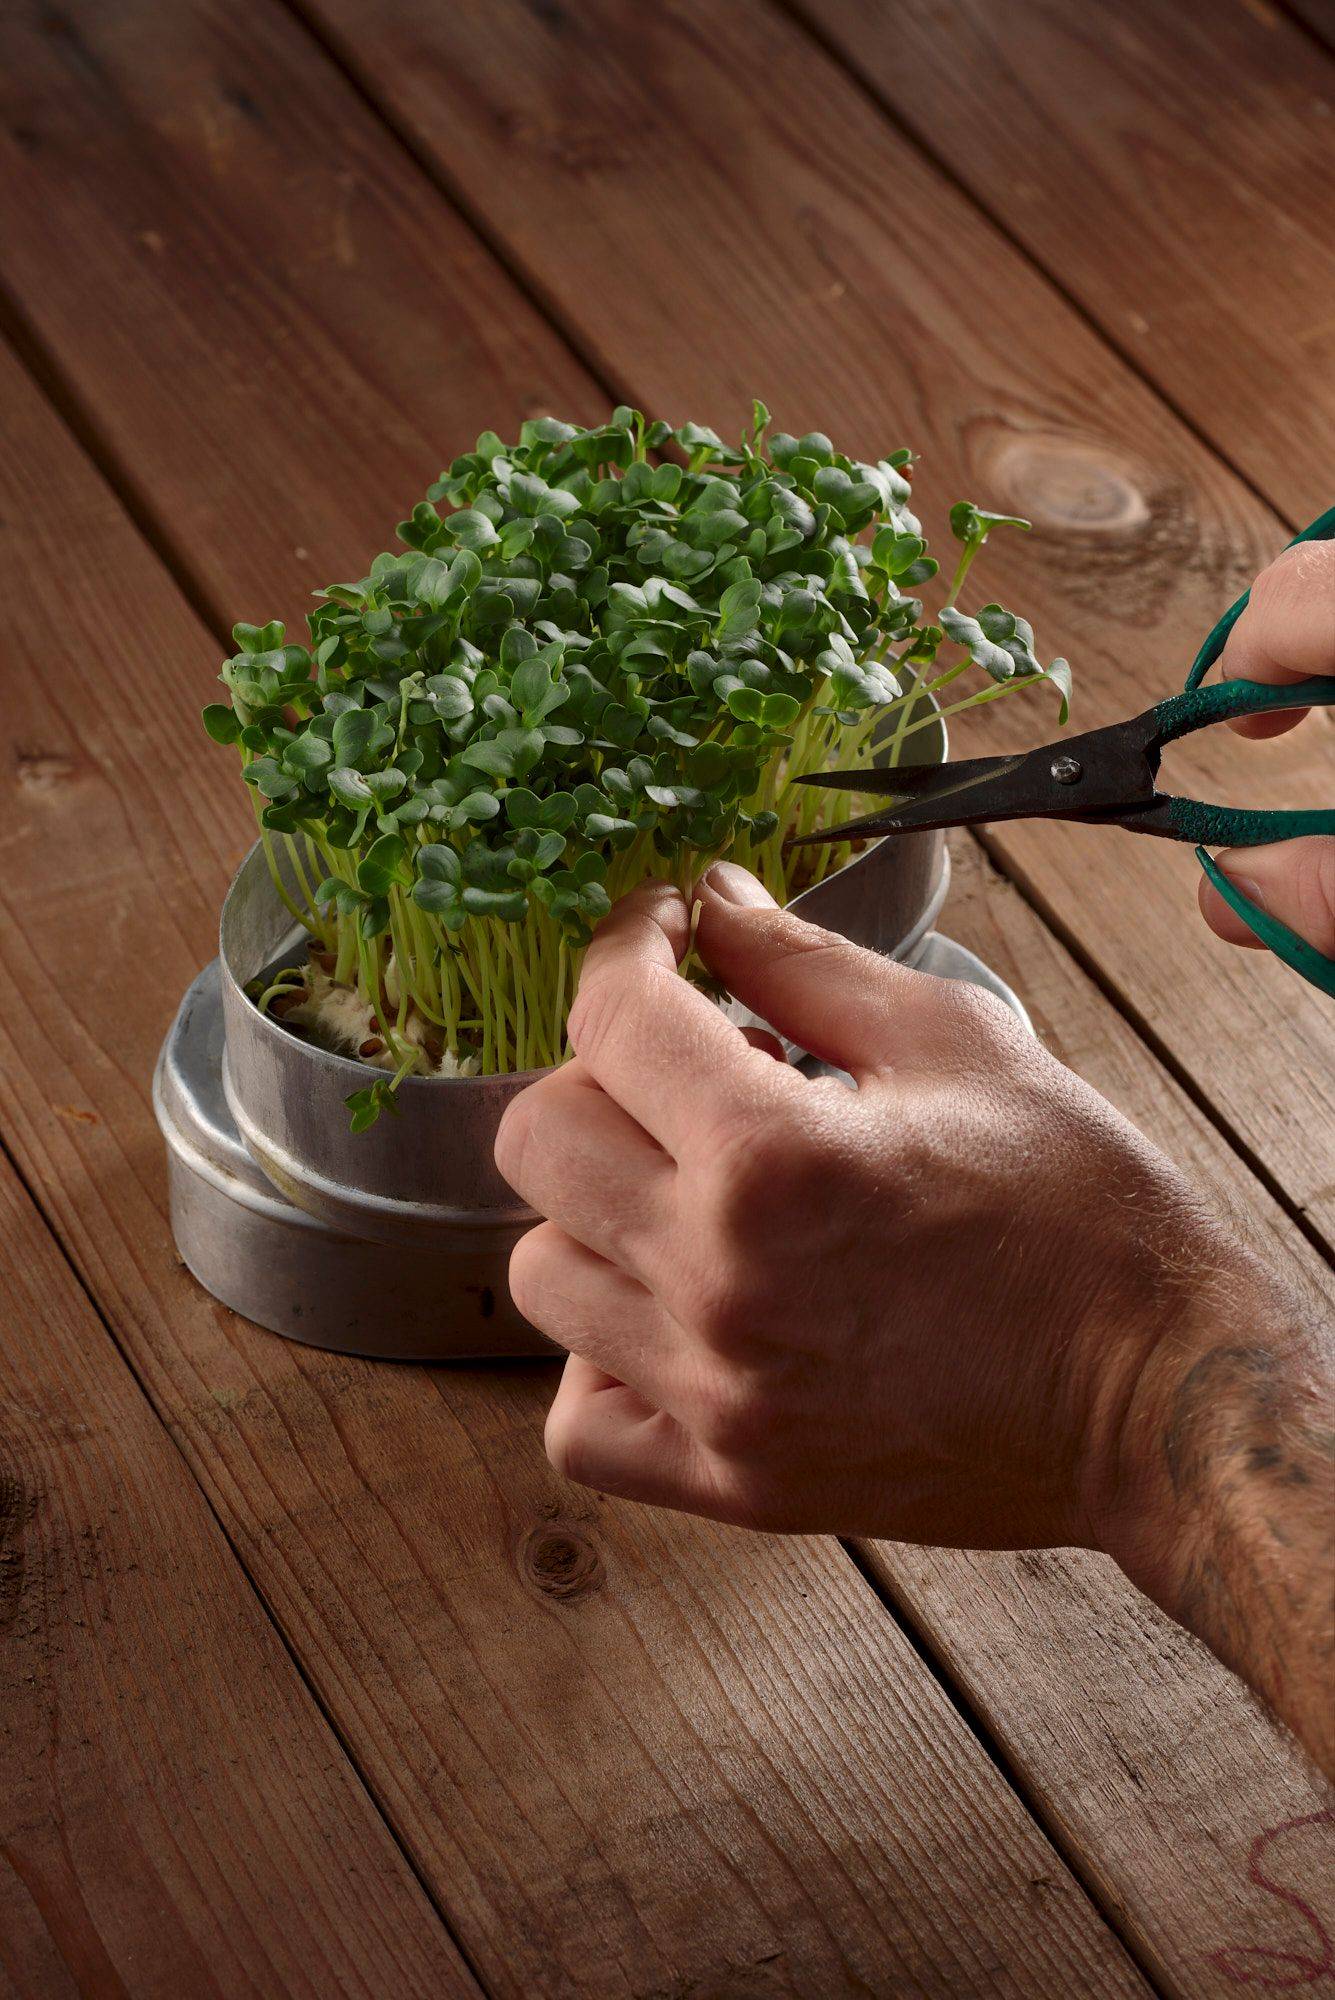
{"x":655,"y":1042}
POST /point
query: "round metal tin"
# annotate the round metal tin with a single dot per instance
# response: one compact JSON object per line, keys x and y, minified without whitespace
{"x":268,"y":1259}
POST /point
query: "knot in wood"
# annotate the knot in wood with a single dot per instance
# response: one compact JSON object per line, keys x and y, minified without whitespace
{"x":1070,"y":484}
{"x":559,"y":1560}
{"x":42,"y":770}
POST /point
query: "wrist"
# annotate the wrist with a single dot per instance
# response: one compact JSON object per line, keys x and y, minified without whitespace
{"x":1169,"y":1418}
{"x":1126,"y":1485}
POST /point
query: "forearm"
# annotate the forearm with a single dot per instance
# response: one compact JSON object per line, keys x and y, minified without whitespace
{"x":1224,"y":1506}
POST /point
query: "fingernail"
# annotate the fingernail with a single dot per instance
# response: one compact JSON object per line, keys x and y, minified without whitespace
{"x":732,"y":884}
{"x":1246,"y":887}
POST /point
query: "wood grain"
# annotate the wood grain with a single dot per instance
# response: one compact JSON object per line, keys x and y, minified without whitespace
{"x":402,"y":1526}
{"x":1127,"y":1735}
{"x":1170,"y":167}
{"x":787,"y":240}
{"x":629,"y":1754}
{"x":175,"y":1816}
{"x":293,"y":331}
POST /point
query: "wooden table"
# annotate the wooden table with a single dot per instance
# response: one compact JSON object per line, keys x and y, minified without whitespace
{"x":315,"y":1679}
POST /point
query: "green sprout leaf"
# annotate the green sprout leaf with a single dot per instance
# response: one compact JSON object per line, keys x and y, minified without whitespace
{"x":384,"y":865}
{"x":367,"y":1105}
{"x":351,"y":788}
{"x":974,"y":524}
{"x":354,"y":730}
{"x":222,"y":722}
{"x":999,"y":642}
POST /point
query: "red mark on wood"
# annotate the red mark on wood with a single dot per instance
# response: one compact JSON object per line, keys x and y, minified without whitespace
{"x":1260,"y":1965}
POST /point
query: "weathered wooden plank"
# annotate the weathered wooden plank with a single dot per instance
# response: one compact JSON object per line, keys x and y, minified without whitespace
{"x":721,"y":241}
{"x":629,"y":1754}
{"x":1147,"y":1761}
{"x":1170,"y":167}
{"x":309,"y":1457}
{"x":175,"y":1815}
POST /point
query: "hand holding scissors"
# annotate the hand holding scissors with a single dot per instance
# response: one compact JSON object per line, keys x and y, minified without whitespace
{"x":1285,"y":631}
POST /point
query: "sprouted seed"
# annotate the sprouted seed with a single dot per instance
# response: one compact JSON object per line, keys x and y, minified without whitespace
{"x":582,"y":668}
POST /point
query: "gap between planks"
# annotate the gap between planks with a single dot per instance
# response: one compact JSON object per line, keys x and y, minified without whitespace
{"x":920,"y":1639}
{"x":78,"y":419}
{"x":1314,"y":18}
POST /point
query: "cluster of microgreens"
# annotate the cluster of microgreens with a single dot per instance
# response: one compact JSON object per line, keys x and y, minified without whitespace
{"x":592,"y":668}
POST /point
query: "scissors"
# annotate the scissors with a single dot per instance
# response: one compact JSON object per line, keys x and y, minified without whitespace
{"x":1106,"y":777}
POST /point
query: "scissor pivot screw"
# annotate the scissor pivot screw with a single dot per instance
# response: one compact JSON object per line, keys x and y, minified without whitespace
{"x":1067,"y":770}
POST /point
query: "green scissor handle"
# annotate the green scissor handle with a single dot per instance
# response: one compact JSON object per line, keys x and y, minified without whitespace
{"x":1286,"y":944}
{"x":1222,"y":700}
{"x":1223,"y":826}
{"x":1234,"y":826}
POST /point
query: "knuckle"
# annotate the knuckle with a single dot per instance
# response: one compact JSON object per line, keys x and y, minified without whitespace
{"x":1294,"y":573}
{"x":592,"y":1015}
{"x":721,"y":1306}
{"x":833,"y":958}
{"x":776,"y":1172}
{"x":529,"y":1262}
{"x":565,"y":1448}
{"x":743,"y":1172}
{"x":615,"y":1000}
{"x":1283,"y":593}
{"x":726,"y":1416}
{"x":979,"y":1024}
{"x":513,"y":1135}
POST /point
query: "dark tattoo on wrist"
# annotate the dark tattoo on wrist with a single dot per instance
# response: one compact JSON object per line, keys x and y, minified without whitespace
{"x":1250,"y":1457}
{"x":1244,"y":1407}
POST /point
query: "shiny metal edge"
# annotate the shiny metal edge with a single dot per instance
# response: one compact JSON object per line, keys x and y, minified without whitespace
{"x":945,"y":959}
{"x":360,"y":1211}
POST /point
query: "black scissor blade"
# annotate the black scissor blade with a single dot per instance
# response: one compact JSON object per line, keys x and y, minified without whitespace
{"x":915,"y":815}
{"x":1103,"y":771}
{"x":903,"y":781}
{"x":961,"y":794}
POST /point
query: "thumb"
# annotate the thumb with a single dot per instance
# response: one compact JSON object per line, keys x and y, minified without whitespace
{"x":848,"y":1006}
{"x":1294,"y":880}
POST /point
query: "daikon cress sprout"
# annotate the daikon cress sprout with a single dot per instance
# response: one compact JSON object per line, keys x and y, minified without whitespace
{"x":582,"y":668}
